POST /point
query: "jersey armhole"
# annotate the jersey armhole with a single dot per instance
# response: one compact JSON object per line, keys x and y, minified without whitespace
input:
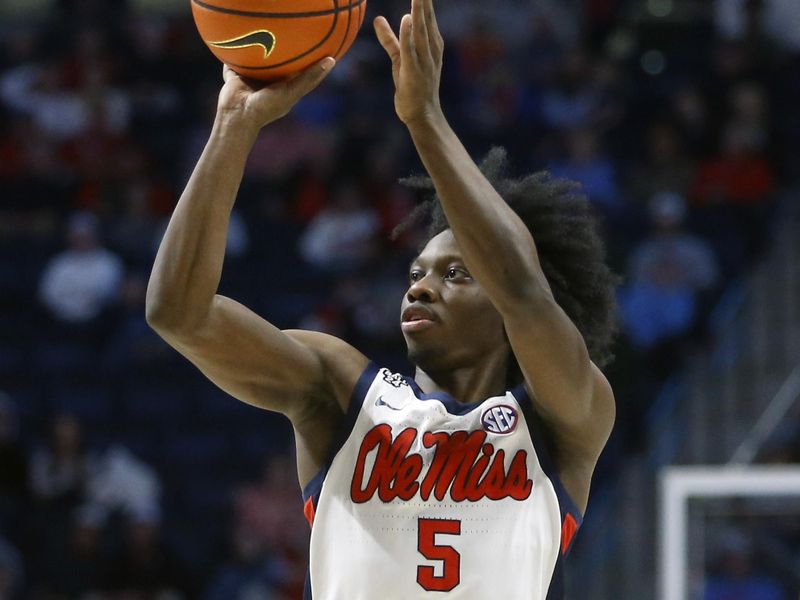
{"x":313,"y":488}
{"x":571,"y":516}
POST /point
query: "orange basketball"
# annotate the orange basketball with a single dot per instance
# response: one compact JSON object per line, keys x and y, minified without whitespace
{"x":271,"y":39}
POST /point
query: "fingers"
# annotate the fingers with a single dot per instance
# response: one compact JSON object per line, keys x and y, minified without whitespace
{"x":387,"y":38}
{"x":408,"y":53}
{"x":419,"y":32}
{"x":434,"y":35}
{"x":419,"y":43}
{"x":228,"y":73}
{"x":310,"y":78}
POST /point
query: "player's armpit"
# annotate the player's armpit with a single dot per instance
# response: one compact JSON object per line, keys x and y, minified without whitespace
{"x":254,"y":361}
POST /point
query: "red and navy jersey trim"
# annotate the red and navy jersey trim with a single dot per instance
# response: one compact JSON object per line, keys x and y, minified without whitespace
{"x":571,"y":517}
{"x":569,"y":509}
{"x":313,"y":488}
{"x":453,"y":406}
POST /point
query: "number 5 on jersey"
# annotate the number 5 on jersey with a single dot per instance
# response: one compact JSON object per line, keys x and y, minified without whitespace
{"x":451,"y":559}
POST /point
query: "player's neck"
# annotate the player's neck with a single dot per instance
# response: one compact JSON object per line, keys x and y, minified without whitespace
{"x":467,"y":384}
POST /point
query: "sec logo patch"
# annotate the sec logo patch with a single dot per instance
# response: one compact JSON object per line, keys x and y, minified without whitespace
{"x":501,"y":419}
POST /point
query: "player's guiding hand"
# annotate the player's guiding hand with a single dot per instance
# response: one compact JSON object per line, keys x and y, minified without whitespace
{"x":254,"y":104}
{"x":416,"y":62}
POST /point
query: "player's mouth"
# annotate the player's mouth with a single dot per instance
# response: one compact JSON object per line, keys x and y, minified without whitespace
{"x":416,"y":325}
{"x":417,"y":318}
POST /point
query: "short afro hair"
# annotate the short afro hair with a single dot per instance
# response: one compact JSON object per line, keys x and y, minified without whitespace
{"x":564,"y":228}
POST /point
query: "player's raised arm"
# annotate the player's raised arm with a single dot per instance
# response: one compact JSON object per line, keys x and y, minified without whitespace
{"x":570,"y":392}
{"x":241,"y":352}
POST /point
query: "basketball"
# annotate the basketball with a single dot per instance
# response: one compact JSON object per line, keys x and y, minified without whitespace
{"x":272,"y":39}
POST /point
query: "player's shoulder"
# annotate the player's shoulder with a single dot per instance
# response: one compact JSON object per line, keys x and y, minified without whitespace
{"x":342,"y":364}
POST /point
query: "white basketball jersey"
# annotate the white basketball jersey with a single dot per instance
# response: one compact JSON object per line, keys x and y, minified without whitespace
{"x":424,"y":497}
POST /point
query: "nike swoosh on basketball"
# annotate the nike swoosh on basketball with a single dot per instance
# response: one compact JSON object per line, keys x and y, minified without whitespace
{"x":263,"y":38}
{"x":380,"y":402}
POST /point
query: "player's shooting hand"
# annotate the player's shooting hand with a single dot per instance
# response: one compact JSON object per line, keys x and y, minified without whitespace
{"x":254,"y":104}
{"x":416,"y":62}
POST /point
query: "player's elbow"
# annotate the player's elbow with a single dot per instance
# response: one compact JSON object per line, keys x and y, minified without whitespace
{"x":164,"y":318}
{"x":158,"y":317}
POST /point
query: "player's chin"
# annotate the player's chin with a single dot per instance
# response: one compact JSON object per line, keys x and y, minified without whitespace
{"x":427,"y":357}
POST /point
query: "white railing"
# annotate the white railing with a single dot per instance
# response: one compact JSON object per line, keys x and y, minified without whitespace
{"x":776,"y":410}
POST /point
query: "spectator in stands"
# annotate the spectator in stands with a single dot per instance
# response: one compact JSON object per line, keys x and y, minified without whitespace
{"x":393,"y":202}
{"x":60,"y":470}
{"x":541,"y":52}
{"x":776,"y":19}
{"x":299,"y":143}
{"x":748,"y":104}
{"x":689,"y":112}
{"x":479,"y":50}
{"x":363,"y":311}
{"x":62,"y":110}
{"x":133,"y":343}
{"x":310,"y":189}
{"x":146,"y":567}
{"x":121,"y":483}
{"x":739,"y":175}
{"x":667,"y":272}
{"x":343,"y":236}
{"x":665,"y":166}
{"x":493,"y":101}
{"x":132,"y":234}
{"x":572,"y":101}
{"x":580,"y":96}
{"x":249,"y":573}
{"x":594,"y":169}
{"x":371,"y":312}
{"x":733,"y":189}
{"x":270,"y":509}
{"x":26,"y":150}
{"x":688,"y":258}
{"x":59,"y":475}
{"x":268,"y":521}
{"x":80,"y":284}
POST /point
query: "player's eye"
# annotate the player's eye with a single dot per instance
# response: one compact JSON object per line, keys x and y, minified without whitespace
{"x":456,"y":273}
{"x":414,"y":276}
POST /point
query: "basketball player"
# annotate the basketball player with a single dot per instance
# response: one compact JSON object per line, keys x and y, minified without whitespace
{"x":470,"y":479}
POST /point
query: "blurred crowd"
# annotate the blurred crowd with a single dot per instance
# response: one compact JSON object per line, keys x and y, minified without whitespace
{"x":123,"y":473}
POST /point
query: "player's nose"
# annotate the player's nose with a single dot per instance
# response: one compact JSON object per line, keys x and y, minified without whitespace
{"x":422,"y":290}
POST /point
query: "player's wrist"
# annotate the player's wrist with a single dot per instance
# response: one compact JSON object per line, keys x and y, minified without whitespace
{"x":234,"y":126}
{"x":426,"y":122}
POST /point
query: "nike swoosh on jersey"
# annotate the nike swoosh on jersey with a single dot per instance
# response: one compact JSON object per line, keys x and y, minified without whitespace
{"x":381,"y":402}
